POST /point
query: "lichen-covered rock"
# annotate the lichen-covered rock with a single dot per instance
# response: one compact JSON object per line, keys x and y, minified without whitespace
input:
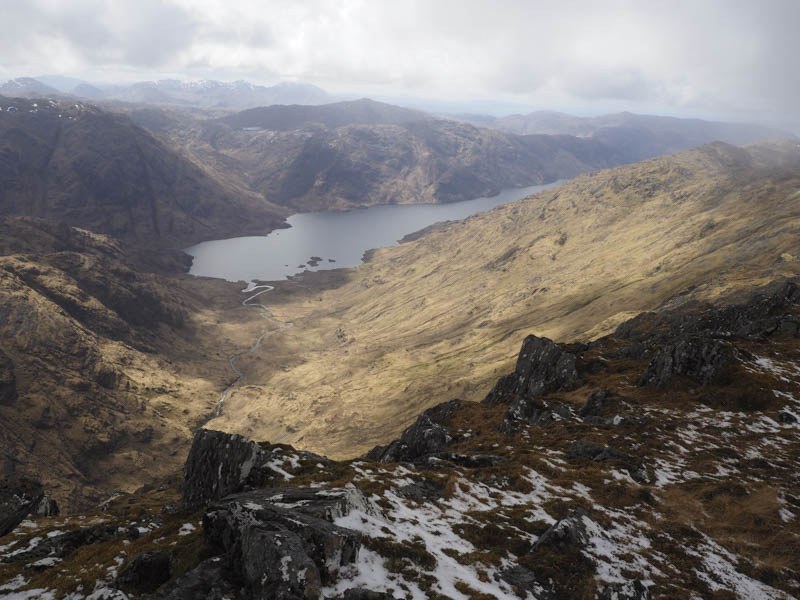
{"x":701,"y":360}
{"x":218,"y":465}
{"x":18,"y":498}
{"x":145,"y":573}
{"x":427,"y":436}
{"x":542,"y":366}
{"x":569,"y":531}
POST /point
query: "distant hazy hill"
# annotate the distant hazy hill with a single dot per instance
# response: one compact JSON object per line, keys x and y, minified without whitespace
{"x":97,"y":170}
{"x":27,"y":87}
{"x":356,"y":112}
{"x":636,"y":136}
{"x":363,"y":152}
{"x":217,"y":94}
{"x":237,"y":95}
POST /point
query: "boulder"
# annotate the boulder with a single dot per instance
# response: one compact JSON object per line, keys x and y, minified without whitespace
{"x":427,"y":436}
{"x":524,"y":579}
{"x":19,"y":496}
{"x":701,"y":360}
{"x":569,"y":531}
{"x":630,"y":590}
{"x":145,"y":573}
{"x":542,"y":367}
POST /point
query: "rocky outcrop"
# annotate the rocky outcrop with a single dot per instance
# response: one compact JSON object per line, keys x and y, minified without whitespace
{"x":218,"y":465}
{"x":47,"y":507}
{"x":8,"y":380}
{"x":428,"y":436}
{"x":18,"y":498}
{"x":282,"y":544}
{"x":533,"y":412}
{"x":701,"y":360}
{"x":630,"y":590}
{"x":569,"y":531}
{"x":145,"y":573}
{"x":542,"y":366}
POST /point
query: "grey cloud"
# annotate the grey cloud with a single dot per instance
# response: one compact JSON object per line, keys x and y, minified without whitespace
{"x":727,"y":56}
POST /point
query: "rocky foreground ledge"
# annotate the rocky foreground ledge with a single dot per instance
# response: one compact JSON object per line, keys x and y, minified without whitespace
{"x":658,"y":462}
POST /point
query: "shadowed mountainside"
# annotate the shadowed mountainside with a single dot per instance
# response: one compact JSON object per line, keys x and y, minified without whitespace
{"x":97,"y":170}
{"x":103,"y":374}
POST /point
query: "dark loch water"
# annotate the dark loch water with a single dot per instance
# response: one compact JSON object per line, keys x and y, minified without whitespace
{"x":341,"y":236}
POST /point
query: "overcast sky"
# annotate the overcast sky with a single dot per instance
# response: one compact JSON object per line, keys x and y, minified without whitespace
{"x":712,"y":58}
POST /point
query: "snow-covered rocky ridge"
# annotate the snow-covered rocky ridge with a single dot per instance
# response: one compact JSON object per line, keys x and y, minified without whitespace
{"x":660,"y":461}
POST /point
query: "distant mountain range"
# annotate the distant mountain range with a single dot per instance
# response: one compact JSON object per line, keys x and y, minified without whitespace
{"x":637,"y":136}
{"x":237,"y":95}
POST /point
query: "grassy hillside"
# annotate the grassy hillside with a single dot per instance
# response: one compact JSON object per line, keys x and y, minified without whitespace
{"x":442,"y":316}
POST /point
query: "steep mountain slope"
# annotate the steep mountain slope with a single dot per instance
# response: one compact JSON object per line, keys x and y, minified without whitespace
{"x":363,"y":153}
{"x":443,"y":315}
{"x":658,"y":462}
{"x":105,"y":365}
{"x":97,"y":170}
{"x":636,"y":136}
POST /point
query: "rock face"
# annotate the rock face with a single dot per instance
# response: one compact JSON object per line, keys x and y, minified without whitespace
{"x":218,"y":464}
{"x":275,"y":543}
{"x":542,"y":366}
{"x":18,"y":498}
{"x":427,"y":437}
{"x":8,"y":380}
{"x":145,"y":573}
{"x":700,"y":360}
